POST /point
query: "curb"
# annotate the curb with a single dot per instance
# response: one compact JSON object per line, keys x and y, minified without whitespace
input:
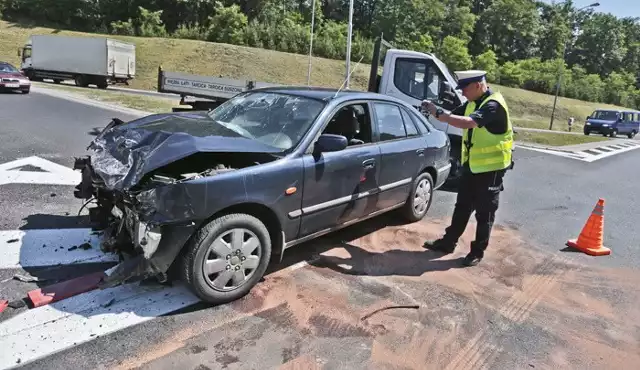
{"x":554,"y":148}
{"x":87,"y":101}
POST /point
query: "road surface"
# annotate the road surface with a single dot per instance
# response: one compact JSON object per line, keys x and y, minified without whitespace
{"x":527,"y":305}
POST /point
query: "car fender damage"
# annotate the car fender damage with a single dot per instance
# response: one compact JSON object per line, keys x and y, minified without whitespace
{"x":153,"y":189}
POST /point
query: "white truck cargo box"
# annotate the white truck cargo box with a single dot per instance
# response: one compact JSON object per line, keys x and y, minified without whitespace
{"x":97,"y":56}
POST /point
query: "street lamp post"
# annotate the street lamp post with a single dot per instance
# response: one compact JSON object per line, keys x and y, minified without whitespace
{"x":561,"y":67}
{"x":350,"y":30}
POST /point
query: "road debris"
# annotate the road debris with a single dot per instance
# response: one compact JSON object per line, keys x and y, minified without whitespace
{"x":13,"y":241}
{"x":3,"y":304}
{"x":109,"y":302}
{"x":411,"y":306}
{"x":85,"y":246}
{"x":27,"y":278}
{"x":18,"y":303}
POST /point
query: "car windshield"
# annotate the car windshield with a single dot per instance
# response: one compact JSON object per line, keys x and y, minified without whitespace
{"x":607,"y":115}
{"x":7,"y":68}
{"x":275,"y":119}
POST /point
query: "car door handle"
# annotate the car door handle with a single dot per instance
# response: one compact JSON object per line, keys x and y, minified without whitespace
{"x":420,"y":152}
{"x":369,"y":163}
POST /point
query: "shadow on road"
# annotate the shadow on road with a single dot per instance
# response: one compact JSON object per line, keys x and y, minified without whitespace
{"x":394,"y":262}
{"x":48,"y":221}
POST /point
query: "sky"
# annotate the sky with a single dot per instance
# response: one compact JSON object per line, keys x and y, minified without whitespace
{"x":619,"y":8}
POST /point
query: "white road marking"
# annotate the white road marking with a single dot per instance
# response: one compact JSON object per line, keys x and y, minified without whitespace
{"x":584,"y":155}
{"x":592,"y":158}
{"x":46,"y":330}
{"x":24,"y":248}
{"x":55,"y":174}
{"x":553,"y":152}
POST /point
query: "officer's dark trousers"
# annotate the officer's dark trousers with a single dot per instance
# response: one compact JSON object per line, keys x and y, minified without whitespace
{"x":479,"y":193}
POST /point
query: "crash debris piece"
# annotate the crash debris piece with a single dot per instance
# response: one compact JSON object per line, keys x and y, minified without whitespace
{"x":27,"y":278}
{"x":65,"y":289}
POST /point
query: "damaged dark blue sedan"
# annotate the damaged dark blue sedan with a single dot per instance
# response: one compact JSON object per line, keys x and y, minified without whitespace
{"x":216,"y":194}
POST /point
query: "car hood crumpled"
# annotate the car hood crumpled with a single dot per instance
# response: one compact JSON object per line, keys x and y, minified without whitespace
{"x":125,"y":153}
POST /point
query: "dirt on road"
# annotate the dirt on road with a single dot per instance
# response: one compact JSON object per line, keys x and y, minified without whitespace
{"x":372,"y":298}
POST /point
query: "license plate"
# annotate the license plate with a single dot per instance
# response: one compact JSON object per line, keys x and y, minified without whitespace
{"x":12,"y":85}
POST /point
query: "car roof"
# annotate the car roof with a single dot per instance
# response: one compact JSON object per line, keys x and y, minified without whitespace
{"x":328,"y":94}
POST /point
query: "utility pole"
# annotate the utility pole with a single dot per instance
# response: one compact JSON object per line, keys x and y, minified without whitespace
{"x":348,"y":62}
{"x":313,"y":19}
{"x":561,"y":68}
{"x":559,"y":82}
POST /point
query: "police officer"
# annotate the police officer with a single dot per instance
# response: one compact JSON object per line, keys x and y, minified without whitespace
{"x":486,"y":156}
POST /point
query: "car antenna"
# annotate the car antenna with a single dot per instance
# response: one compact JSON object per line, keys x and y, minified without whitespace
{"x":348,"y":76}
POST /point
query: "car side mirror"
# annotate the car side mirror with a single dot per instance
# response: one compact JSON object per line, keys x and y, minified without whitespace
{"x":330,"y":143}
{"x":446,"y":93}
{"x":19,"y":53}
{"x":587,"y":117}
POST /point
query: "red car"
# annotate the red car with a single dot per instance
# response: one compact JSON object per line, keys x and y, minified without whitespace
{"x":11,"y":79}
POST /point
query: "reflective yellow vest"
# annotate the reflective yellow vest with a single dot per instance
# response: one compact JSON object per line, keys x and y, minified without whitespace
{"x":489,"y":152}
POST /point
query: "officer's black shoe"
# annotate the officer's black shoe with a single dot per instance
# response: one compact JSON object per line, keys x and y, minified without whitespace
{"x":471,"y":260}
{"x":440,"y":245}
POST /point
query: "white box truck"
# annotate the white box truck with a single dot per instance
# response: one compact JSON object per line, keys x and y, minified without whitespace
{"x":97,"y":61}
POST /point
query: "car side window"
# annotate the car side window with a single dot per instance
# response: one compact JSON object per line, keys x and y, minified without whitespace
{"x":422,"y":124}
{"x":417,"y":78}
{"x":390,"y":123}
{"x":352,"y":121}
{"x":409,"y":124}
{"x":628,"y":117}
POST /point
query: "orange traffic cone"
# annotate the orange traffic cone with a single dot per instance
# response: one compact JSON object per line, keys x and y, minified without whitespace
{"x":590,"y":239}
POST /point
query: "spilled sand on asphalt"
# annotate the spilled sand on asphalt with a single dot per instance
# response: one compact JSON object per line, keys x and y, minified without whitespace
{"x":464,"y":315}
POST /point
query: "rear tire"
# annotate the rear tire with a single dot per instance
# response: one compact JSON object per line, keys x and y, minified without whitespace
{"x":218,"y":242}
{"x":614,"y":133}
{"x":632,"y":134}
{"x":26,"y":91}
{"x":81,"y":81}
{"x":102,"y":84}
{"x":420,"y":198}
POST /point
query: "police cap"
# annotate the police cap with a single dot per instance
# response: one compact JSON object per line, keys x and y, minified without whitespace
{"x":467,"y":77}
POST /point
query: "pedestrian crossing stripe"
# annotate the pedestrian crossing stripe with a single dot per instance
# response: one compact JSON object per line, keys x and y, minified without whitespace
{"x":46,"y":330}
{"x":39,"y":332}
{"x":588,"y":155}
{"x":51,"y":247}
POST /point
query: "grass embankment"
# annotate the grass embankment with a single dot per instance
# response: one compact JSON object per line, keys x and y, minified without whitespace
{"x":528,"y":109}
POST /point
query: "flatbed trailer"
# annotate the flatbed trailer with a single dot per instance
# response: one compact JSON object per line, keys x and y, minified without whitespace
{"x":408,"y":75}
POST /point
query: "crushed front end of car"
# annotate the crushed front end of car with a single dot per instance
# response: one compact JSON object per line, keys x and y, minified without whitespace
{"x":148,"y":183}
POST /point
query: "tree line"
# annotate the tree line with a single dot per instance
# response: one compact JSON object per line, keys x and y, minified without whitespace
{"x":520,"y":42}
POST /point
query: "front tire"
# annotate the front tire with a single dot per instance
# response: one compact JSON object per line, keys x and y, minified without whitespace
{"x":227,"y":257}
{"x":420,"y":197}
